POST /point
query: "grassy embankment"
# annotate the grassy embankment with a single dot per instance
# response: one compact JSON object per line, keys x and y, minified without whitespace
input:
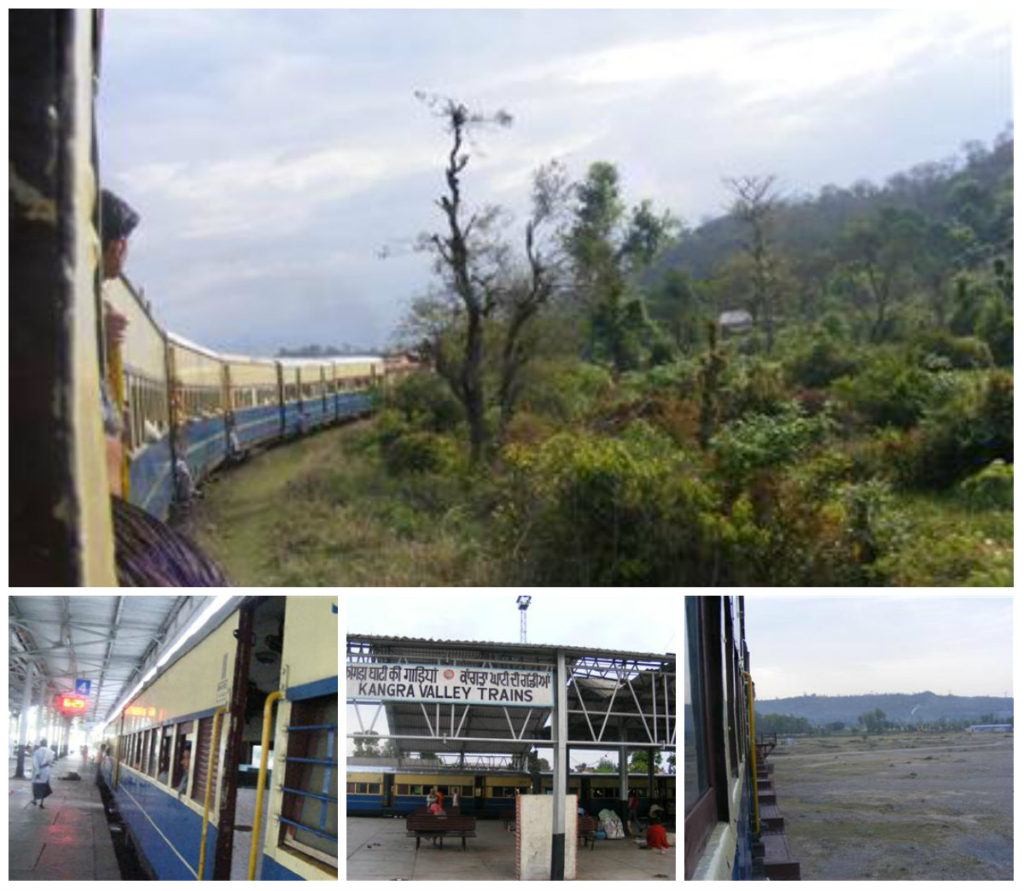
{"x":322,"y":512}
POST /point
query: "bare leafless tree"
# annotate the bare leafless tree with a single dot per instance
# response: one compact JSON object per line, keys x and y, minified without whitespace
{"x":756,"y":204}
{"x":481,"y":281}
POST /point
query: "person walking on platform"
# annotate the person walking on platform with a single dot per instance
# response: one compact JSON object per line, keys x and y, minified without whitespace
{"x":42,"y":758}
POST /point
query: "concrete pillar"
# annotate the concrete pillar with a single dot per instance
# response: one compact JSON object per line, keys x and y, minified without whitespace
{"x":623,"y":805}
{"x":560,"y":728}
{"x":651,"y":755}
{"x":26,"y":704}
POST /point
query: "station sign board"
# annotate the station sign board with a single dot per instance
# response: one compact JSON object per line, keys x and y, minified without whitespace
{"x":457,"y":684}
{"x":70,"y":704}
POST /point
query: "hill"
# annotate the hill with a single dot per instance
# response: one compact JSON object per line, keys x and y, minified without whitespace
{"x":910,"y":708}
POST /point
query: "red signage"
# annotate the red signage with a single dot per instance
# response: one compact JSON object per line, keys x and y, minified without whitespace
{"x":71,"y":704}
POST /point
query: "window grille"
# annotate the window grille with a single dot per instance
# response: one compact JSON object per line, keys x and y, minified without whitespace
{"x":202,"y":756}
{"x":309,"y":812}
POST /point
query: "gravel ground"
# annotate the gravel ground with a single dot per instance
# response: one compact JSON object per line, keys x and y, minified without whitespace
{"x":929,"y":806}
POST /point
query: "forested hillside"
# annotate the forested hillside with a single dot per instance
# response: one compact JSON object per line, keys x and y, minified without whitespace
{"x":907,"y":709}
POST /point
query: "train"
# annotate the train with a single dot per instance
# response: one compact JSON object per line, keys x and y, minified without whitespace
{"x":733,"y":827}
{"x":389,"y":791}
{"x":188,"y":409}
{"x":185,"y":401}
{"x":241,"y":721}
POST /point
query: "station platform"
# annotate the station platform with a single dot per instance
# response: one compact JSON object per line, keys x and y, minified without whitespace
{"x":66,"y":841}
{"x":379,"y":850}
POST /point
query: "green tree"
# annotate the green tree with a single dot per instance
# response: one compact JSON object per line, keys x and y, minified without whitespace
{"x":874,"y":721}
{"x":881,"y":250}
{"x":638,"y":761}
{"x":607,"y":249}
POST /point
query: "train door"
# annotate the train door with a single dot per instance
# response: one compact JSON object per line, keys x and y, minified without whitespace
{"x":387,"y":792}
{"x":479,"y":789}
{"x":257,"y":674}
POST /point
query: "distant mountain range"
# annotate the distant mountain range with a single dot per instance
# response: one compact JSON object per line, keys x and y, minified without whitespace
{"x":907,"y":708}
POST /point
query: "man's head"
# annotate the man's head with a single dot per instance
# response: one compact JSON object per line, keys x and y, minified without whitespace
{"x":42,"y":742}
{"x":117,"y":222}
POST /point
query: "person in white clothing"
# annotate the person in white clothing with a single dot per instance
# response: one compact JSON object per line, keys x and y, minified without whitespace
{"x":42,"y":758}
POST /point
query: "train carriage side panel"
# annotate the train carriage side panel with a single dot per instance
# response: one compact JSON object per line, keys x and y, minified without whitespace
{"x":364,"y":793}
{"x":253,"y":398}
{"x":301,"y":840}
{"x":148,"y":421}
{"x":173,"y":713}
{"x":199,"y":409}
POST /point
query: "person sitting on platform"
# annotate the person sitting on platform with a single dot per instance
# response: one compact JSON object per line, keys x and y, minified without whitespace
{"x":657,"y":838}
{"x":436,"y":809}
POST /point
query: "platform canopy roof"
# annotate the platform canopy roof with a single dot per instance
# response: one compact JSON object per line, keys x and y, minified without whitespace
{"x":614,"y":697}
{"x":111,"y":641}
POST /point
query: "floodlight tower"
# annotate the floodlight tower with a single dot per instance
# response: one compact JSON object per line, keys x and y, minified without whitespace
{"x":524,"y":604}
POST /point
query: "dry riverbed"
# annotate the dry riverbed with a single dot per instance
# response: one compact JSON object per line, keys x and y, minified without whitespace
{"x":929,"y":806}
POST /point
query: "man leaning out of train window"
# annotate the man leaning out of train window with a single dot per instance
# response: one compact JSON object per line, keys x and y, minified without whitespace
{"x":117,"y":221}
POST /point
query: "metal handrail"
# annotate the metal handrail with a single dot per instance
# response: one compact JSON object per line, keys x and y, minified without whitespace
{"x":221,"y":710}
{"x":261,"y":779}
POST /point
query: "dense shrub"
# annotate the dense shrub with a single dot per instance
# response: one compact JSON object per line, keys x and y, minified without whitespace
{"x":939,"y":349}
{"x":424,"y":400}
{"x":759,"y":442}
{"x":821,"y":363}
{"x":890,"y":390}
{"x":991,"y":487}
{"x":753,"y":386}
{"x":583,"y":509}
{"x":565,"y":391}
{"x":995,"y":326}
{"x":418,"y":451}
{"x":964,"y":434}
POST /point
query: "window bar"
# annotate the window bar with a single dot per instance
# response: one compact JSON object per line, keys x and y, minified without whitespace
{"x":332,"y":799}
{"x":325,"y":786}
{"x":305,"y":828}
{"x":313,"y":727}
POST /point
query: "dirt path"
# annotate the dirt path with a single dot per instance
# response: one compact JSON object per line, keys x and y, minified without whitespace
{"x":916,"y":811}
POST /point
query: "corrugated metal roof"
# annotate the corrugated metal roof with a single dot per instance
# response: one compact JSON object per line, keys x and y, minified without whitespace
{"x":522,"y":648}
{"x":109,"y":641}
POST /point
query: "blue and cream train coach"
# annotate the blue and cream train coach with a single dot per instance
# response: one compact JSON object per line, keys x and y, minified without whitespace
{"x":224,"y":765}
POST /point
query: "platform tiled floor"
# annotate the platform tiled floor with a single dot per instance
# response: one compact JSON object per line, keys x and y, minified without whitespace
{"x":66,"y":841}
{"x":377,"y":848}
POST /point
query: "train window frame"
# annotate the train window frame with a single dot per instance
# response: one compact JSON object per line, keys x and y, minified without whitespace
{"x":730,"y":674}
{"x":704,"y":666}
{"x":310,"y":775}
{"x":183,"y":737}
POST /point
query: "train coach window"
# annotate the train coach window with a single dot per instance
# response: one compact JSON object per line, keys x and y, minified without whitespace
{"x":202,"y":757}
{"x":309,"y":812}
{"x":154,"y":752}
{"x":183,"y":742}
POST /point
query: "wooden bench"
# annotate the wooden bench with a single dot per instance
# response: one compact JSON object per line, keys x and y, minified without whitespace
{"x":586,"y":830}
{"x":438,"y":826}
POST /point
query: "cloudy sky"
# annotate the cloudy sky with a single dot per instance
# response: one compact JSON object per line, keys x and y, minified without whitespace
{"x":846,"y":644}
{"x":274,"y":154}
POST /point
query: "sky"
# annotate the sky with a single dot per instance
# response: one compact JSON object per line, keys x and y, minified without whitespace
{"x":848,"y":644}
{"x":275,"y":156}
{"x":646,"y":622}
